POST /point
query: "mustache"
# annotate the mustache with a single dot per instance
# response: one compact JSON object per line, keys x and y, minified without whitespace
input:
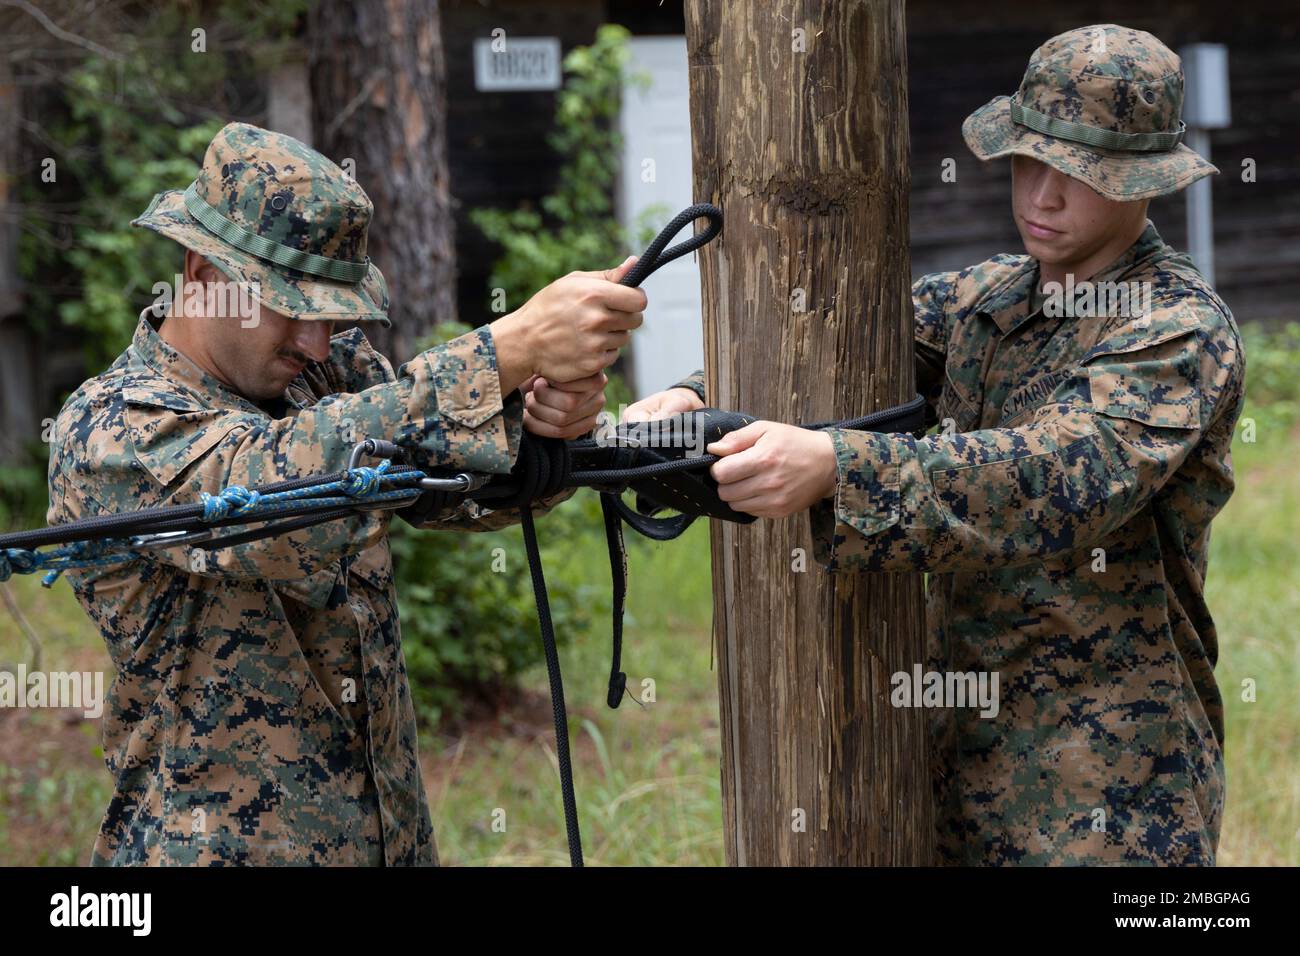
{"x":294,"y":356}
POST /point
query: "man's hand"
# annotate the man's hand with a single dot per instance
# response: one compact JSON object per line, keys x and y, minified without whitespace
{"x":569,"y":330}
{"x":662,"y":405}
{"x":773,"y":470}
{"x":563,"y":409}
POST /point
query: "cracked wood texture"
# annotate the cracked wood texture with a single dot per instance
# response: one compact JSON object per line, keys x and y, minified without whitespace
{"x":801,"y":138}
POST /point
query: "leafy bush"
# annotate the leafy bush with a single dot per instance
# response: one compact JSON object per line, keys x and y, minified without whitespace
{"x":469,"y":624}
{"x":23,"y":495}
{"x":1272,"y":360}
{"x":468,"y":631}
{"x":120,"y":131}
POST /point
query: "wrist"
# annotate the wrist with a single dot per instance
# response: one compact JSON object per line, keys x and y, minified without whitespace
{"x":514,"y":354}
{"x":832,"y":470}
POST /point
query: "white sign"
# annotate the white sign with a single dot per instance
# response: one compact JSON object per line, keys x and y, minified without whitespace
{"x":516,"y":63}
{"x":1206,"y":103}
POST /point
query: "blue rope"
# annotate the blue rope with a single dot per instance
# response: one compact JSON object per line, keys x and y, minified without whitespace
{"x":361,"y":483}
{"x":78,"y":554}
{"x":358,"y":484}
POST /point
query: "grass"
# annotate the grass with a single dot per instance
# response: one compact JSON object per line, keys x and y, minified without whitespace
{"x":1252,"y":588}
{"x":647,"y":775}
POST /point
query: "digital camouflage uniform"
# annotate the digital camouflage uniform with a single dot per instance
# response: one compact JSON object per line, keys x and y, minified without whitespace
{"x":1062,"y":511}
{"x":260,"y":712}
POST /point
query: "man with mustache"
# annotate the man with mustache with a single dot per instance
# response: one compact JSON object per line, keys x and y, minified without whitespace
{"x":261,"y":712}
{"x":1063,"y":508}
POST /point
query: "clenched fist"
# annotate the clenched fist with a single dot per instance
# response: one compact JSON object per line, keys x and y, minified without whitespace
{"x":772,"y":470}
{"x":570,"y":330}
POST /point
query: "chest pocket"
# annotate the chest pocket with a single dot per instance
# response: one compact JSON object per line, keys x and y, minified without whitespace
{"x":168,"y":432}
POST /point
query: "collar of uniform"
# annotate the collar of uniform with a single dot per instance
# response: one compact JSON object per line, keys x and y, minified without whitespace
{"x":1147,"y":244}
{"x":1007,"y":303}
{"x":1003,"y":303}
{"x":174,"y":366}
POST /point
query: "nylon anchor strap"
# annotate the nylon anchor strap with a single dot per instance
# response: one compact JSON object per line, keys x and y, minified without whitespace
{"x":661,"y":462}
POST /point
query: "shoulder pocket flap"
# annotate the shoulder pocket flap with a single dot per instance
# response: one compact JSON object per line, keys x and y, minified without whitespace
{"x":1137,"y":336}
{"x":157,"y":398}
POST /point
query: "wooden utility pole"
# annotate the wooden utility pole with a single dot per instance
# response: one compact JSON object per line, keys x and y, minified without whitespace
{"x":799,"y":125}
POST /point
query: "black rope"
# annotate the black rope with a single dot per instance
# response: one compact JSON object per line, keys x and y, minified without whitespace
{"x":559,"y":712}
{"x":655,"y":257}
{"x":552,"y":464}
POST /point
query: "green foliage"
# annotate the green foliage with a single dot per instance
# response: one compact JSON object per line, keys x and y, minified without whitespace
{"x":1272,"y":361}
{"x":121,"y":131}
{"x":469,"y":623}
{"x":575,"y":229}
{"x":23,"y":495}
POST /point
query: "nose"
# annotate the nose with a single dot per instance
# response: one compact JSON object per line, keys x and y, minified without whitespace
{"x":1048,"y":192}
{"x":312,"y":338}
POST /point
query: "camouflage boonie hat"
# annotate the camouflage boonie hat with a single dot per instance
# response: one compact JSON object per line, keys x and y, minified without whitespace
{"x":1103,"y":105}
{"x":269,"y":210}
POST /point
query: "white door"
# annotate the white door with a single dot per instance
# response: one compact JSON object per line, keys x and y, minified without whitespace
{"x":656,"y":128}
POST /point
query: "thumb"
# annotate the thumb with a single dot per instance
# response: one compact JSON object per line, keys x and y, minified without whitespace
{"x":616,"y":274}
{"x":738,"y":440}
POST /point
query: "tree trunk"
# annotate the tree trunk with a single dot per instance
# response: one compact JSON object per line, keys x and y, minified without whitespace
{"x":799,"y":122}
{"x":378,"y":84}
{"x":19,"y":423}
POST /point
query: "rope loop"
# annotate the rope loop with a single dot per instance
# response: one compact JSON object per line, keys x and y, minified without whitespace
{"x":363,"y":480}
{"x":17,"y":561}
{"x":230,"y":502}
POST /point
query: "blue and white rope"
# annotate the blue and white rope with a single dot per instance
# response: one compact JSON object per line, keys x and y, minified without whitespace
{"x":361,"y":484}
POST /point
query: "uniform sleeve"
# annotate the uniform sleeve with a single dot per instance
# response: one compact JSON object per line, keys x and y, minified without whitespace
{"x":930,"y":296}
{"x":142,"y":447}
{"x":1106,"y":441}
{"x":695,"y":382}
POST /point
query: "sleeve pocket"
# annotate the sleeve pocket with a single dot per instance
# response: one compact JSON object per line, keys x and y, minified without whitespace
{"x":1149,"y":373}
{"x":1164,"y":405}
{"x":466,"y":383}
